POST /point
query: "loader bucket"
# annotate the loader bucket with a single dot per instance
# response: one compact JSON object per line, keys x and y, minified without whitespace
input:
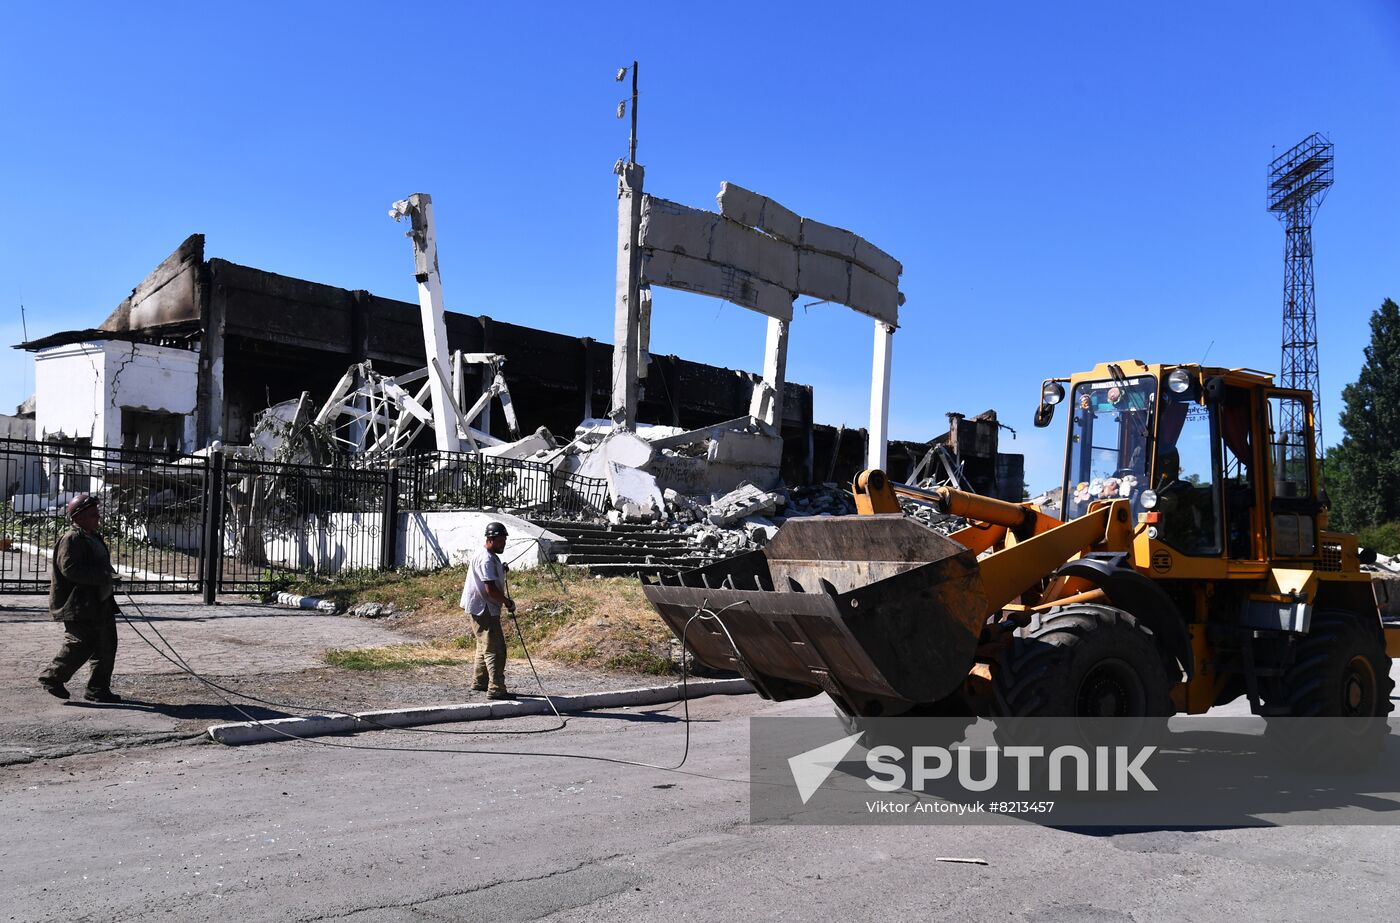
{"x":880,"y":612}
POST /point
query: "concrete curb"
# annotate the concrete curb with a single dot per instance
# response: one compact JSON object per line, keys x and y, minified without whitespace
{"x":293,"y":601}
{"x":249,"y":732}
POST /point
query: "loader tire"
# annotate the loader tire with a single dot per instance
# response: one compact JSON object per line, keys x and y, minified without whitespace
{"x":1083,"y":661}
{"x":1340,"y":670}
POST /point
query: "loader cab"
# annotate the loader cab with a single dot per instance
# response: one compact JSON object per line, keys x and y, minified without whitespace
{"x":1110,"y":441}
{"x":1217,"y":463}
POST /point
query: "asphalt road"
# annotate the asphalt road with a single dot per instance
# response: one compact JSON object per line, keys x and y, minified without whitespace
{"x":299,"y":831}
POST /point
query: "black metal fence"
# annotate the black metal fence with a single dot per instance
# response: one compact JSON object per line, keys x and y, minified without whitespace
{"x":153,"y":509}
{"x":202,"y":524}
{"x":280,"y":519}
{"x":470,"y":480}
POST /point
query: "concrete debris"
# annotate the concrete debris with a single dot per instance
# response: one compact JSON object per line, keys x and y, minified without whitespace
{"x":930,"y":517}
{"x":634,"y":493}
{"x":744,"y":501}
{"x":534,"y":444}
{"x":1385,"y":564}
{"x":373,"y":610}
{"x":827,"y":499}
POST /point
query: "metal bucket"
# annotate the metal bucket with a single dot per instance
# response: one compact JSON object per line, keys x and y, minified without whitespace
{"x":880,"y":612}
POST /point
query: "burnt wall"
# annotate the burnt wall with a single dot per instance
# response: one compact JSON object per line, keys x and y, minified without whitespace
{"x":282,"y":336}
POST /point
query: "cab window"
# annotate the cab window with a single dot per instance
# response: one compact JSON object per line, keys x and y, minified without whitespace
{"x":1108,"y":441}
{"x":1184,"y":477}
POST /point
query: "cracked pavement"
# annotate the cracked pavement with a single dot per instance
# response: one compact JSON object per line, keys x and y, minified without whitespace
{"x":132,"y":823}
{"x":307,"y":832}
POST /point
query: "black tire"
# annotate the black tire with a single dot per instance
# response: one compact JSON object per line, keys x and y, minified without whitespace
{"x":1083,"y":661}
{"x":1340,"y":670}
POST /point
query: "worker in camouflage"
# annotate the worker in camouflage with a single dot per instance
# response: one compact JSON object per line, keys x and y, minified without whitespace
{"x":82,"y":596}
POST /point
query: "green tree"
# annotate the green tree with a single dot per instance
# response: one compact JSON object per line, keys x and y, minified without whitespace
{"x":1364,"y":470}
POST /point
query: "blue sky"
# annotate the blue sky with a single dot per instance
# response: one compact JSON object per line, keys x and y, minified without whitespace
{"x":1064,"y":183}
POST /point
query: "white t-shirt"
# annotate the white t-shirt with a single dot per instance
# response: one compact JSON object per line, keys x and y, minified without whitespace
{"x":485,"y":568}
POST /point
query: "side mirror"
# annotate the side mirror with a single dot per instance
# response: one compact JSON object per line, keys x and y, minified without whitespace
{"x":1051,"y":393}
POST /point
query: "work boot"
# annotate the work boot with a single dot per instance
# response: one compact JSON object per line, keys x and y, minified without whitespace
{"x":53,"y":687}
{"x":499,"y":694}
{"x":480,"y":688}
{"x":105,"y":696}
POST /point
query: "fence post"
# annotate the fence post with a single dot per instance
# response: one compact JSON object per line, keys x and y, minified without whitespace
{"x":213,"y":544}
{"x":389,"y":528}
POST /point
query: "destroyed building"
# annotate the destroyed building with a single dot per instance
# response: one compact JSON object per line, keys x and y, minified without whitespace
{"x":201,"y":346}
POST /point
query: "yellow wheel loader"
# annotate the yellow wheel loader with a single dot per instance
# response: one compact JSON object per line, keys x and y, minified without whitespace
{"x":1188,"y":564}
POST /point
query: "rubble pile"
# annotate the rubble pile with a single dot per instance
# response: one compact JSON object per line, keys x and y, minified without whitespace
{"x":828,"y":499}
{"x":931,"y":517}
{"x":1385,"y":582}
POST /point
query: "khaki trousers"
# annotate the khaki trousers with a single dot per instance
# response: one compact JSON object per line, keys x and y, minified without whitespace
{"x":490,"y":653}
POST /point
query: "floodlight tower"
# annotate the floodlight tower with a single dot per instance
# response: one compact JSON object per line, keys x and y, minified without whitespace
{"x":1298,"y":182}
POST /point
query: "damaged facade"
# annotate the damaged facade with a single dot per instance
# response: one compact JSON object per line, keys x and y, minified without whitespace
{"x":202,"y":346}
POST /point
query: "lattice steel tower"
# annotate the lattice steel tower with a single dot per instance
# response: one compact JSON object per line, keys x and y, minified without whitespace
{"x":1298,"y":182}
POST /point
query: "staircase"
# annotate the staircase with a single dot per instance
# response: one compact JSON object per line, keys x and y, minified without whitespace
{"x":625,"y":550}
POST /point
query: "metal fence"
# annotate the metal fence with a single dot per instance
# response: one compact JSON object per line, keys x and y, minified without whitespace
{"x":470,"y":480}
{"x":277,"y":519}
{"x":153,"y":507}
{"x":202,"y":524}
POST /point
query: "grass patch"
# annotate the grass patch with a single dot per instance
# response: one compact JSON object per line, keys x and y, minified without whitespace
{"x":401,"y":656}
{"x":565,"y":616}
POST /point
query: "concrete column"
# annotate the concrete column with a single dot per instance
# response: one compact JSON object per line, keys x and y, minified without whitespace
{"x":627,"y":319}
{"x":768,"y":396}
{"x":877,"y":450}
{"x":643,"y":330}
{"x":419,"y":208}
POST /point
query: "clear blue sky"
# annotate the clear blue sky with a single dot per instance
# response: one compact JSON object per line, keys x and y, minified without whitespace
{"x":1064,"y":183}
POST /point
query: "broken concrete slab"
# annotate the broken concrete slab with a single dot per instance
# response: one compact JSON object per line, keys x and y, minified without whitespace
{"x":619,"y":447}
{"x":873,"y":295}
{"x":676,"y":228}
{"x":758,"y":211}
{"x":878,"y":261}
{"x":673,"y":270}
{"x":825,"y":238}
{"x":702,"y":477}
{"x":538,"y":441}
{"x":732,"y":447}
{"x":635,"y":492}
{"x":742,"y":247}
{"x":744,"y":501}
{"x":823,"y":276}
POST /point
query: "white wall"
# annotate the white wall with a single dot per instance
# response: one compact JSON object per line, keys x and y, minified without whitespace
{"x":81,"y":388}
{"x":426,"y":541}
{"x":69,"y":384}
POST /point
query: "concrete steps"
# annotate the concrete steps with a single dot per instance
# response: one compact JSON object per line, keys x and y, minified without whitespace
{"x":625,"y":550}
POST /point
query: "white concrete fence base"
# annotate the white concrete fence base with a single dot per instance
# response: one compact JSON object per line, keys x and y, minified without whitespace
{"x":316,"y":604}
{"x":248,"y":732}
